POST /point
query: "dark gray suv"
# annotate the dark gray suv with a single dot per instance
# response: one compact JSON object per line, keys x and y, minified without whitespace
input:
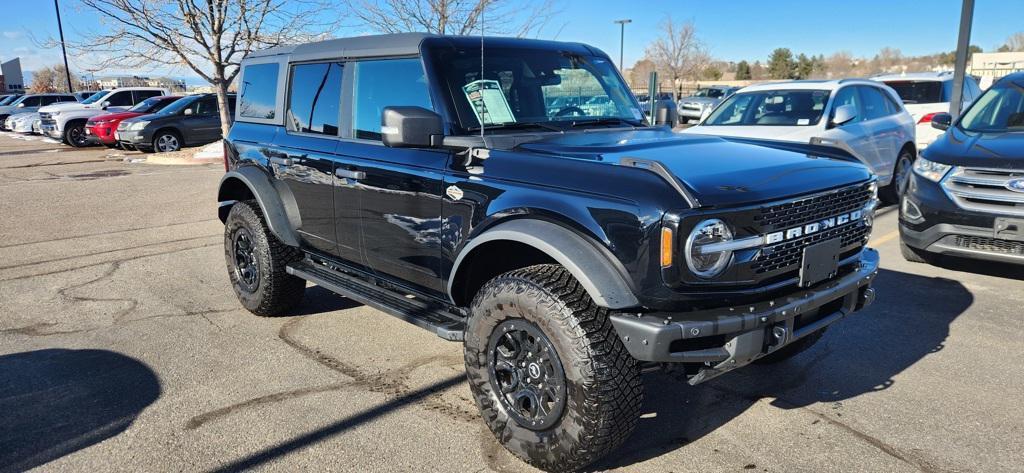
{"x":190,"y":121}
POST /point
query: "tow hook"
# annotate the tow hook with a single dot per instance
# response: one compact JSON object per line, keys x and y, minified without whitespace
{"x":866,"y":297}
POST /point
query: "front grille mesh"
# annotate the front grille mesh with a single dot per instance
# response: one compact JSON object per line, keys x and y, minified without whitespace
{"x":788,"y":254}
{"x":46,"y":119}
{"x":990,"y":245}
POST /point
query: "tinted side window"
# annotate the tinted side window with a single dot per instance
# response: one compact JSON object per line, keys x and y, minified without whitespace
{"x":207,"y":107}
{"x":874,"y":103}
{"x":259,"y":91}
{"x":385,"y":83}
{"x":47,"y":100}
{"x":32,"y":101}
{"x":67,"y":98}
{"x":314,"y":98}
{"x":141,"y":95}
{"x":120,"y":99}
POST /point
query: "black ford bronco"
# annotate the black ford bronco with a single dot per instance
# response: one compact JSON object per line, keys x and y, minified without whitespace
{"x":511,"y":194}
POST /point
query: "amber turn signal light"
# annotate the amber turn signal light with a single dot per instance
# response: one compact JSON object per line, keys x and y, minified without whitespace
{"x":666,"y":247}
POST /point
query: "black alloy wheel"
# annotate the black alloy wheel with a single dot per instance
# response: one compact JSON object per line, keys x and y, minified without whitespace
{"x":246,"y":267}
{"x":525,"y":369}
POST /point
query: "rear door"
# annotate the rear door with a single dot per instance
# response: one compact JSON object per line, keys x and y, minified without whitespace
{"x":203,"y":126}
{"x":885,"y":129}
{"x":119,"y":101}
{"x":399,"y":189}
{"x":854,"y":133}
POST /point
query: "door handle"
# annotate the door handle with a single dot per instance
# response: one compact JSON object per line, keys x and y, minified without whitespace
{"x":282,"y":161}
{"x":348,"y":174}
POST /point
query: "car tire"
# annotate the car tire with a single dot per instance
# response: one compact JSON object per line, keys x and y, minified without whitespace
{"x":900,"y":178}
{"x":683,"y":120}
{"x":791,"y":350}
{"x":257,"y":263}
{"x":74,"y":135}
{"x":912,"y":255}
{"x":570,"y":361}
{"x":167,"y":141}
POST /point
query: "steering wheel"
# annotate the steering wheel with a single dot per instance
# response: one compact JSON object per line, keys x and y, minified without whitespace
{"x":570,"y":109}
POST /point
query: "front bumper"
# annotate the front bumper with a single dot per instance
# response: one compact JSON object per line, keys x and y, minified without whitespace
{"x":52,"y":131}
{"x":945,"y":228}
{"x":135,"y":139}
{"x":724,"y":339}
{"x":690,"y":113}
{"x":100,"y":134}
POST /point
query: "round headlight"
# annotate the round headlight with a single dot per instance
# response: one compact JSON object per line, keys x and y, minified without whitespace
{"x":704,"y":263}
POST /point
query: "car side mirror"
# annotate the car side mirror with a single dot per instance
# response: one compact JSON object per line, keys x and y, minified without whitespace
{"x":843,"y":114}
{"x":942,"y":121}
{"x":21,"y":105}
{"x":411,"y":127}
{"x":188,"y":111}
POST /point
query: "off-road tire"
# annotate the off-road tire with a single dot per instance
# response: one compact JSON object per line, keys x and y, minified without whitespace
{"x":791,"y":350}
{"x":603,"y":386}
{"x":277,"y":292}
{"x":911,"y":254}
{"x":891,"y":194}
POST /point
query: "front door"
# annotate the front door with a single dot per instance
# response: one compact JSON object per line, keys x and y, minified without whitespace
{"x":853,"y":133}
{"x":203,"y":125}
{"x":400,"y":189}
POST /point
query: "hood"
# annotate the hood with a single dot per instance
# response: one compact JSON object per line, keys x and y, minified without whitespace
{"x":958,"y":147}
{"x":65,"y":106}
{"x":717,"y":171}
{"x":115,"y":116}
{"x":25,"y":116}
{"x":800,"y":134}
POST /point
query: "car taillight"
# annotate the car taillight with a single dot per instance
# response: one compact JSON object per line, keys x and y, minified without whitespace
{"x":927,"y":118}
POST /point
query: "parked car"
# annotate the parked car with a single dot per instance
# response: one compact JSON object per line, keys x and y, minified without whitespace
{"x":665,"y":101}
{"x":925,"y":94}
{"x":189,"y":121}
{"x":66,"y":122}
{"x":966,"y":195}
{"x":563,"y":253}
{"x":863,"y":117}
{"x":563,"y":105}
{"x":22,"y":122}
{"x":32,"y":103}
{"x":7,"y":99}
{"x":102,"y":128}
{"x":693,"y":107}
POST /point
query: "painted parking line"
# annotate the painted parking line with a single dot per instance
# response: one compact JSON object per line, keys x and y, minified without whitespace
{"x":879,"y":241}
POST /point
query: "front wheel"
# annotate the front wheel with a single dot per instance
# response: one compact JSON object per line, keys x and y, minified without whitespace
{"x":552,"y":380}
{"x":256,"y":262}
{"x":74,"y":135}
{"x":166,"y":142}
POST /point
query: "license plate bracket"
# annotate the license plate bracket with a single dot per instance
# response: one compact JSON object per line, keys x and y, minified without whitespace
{"x":820,"y":262}
{"x":1009,"y":229}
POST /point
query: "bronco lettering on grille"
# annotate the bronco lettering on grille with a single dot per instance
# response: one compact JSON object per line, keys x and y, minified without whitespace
{"x":812,"y":228}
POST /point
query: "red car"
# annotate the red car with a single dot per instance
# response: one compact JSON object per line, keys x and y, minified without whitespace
{"x":101,"y":128}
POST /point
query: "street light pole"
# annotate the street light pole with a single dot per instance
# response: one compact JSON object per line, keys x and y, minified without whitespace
{"x":963,"y":46}
{"x":622,"y":39}
{"x":60,"y":29}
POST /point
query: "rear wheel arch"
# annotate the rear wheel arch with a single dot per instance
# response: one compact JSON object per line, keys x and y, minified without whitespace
{"x":251,"y":183}
{"x":526,"y":242}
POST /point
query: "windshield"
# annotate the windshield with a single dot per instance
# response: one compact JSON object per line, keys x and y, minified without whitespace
{"x":713,"y":93}
{"x":8,"y":100}
{"x":151,"y":105}
{"x":771,"y":108}
{"x":931,"y":91}
{"x":95,"y":97}
{"x":177,"y":106}
{"x":1000,"y":109}
{"x":543,"y":88}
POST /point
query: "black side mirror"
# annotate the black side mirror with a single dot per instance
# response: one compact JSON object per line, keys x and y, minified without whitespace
{"x":942,"y":121}
{"x":411,"y":127}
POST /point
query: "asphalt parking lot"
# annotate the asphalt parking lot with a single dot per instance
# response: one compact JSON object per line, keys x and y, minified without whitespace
{"x":122,"y":348}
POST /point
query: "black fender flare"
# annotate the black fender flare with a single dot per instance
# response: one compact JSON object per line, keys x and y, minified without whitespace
{"x":271,"y":199}
{"x":597,"y":270}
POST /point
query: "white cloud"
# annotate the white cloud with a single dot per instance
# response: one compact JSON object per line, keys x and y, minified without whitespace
{"x":12,"y":34}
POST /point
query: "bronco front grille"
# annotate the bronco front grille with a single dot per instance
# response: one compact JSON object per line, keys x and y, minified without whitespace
{"x":985,"y":190}
{"x":786,"y":255}
{"x":46,"y":119}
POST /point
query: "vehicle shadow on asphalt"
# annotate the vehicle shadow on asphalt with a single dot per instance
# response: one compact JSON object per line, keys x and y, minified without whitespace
{"x":987,"y":268}
{"x":862,"y":354}
{"x":54,"y":402}
{"x":319,"y":300}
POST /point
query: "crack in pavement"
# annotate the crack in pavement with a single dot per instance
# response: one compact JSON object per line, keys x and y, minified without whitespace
{"x":58,"y":163}
{"x":101,"y":263}
{"x":35,"y":330}
{"x":114,"y":266}
{"x":216,"y":414}
{"x":125,"y":248}
{"x":87,"y":235}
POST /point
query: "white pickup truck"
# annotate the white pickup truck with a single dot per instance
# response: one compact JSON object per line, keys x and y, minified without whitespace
{"x":66,"y":122}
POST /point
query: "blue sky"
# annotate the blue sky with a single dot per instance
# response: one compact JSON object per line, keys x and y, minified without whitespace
{"x":733,"y":30}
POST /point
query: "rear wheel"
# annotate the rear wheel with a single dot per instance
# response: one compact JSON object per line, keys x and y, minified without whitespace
{"x":900,"y":177}
{"x":74,"y":134}
{"x":552,"y":380}
{"x":256,"y":262}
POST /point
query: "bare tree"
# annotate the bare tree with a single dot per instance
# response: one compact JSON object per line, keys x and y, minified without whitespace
{"x":454,"y":17}
{"x":678,"y":52}
{"x":52,"y":79}
{"x":210,"y":37}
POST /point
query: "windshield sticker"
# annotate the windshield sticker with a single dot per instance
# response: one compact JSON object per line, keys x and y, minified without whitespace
{"x":489,"y":103}
{"x":803,"y":121}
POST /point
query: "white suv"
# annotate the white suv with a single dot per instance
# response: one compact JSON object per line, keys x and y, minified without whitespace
{"x":862,"y":117}
{"x":66,"y":122}
{"x":926,"y":93}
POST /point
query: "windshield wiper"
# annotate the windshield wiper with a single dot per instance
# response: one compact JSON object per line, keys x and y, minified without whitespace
{"x":606,"y":121}
{"x":518,"y":126}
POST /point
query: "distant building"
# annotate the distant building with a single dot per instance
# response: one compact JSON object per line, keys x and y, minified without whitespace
{"x":991,"y":66}
{"x":11,"y":79}
{"x":113,"y":82}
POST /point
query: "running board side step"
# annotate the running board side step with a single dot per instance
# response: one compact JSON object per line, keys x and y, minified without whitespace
{"x":423,"y":314}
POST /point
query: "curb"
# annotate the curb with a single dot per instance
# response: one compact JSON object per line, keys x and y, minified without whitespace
{"x":181,"y":160}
